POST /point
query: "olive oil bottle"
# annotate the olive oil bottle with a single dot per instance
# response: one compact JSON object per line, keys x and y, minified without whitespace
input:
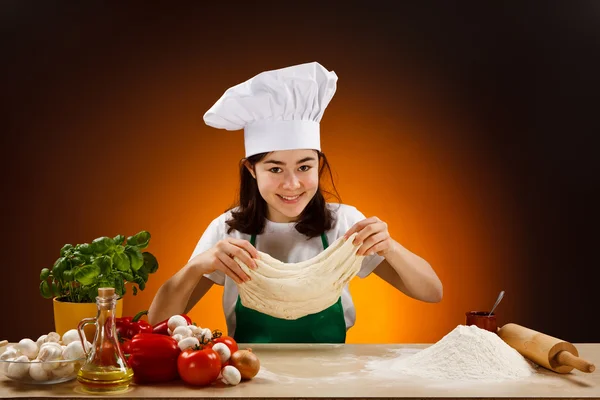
{"x":105,"y":368}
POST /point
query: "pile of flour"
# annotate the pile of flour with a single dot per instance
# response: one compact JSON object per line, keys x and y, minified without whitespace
{"x":468,"y":353}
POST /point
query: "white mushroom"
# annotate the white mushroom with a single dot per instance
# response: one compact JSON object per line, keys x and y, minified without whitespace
{"x":64,"y":370}
{"x":177,"y":338}
{"x":18,"y":369}
{"x":5,"y":364}
{"x":48,"y":354}
{"x":70,"y":336}
{"x":53,"y":337}
{"x":37,"y":372}
{"x":50,"y":344}
{"x":196,"y":330}
{"x":230,"y":375}
{"x":175,"y":321}
{"x":223,"y":351}
{"x":184,"y":331}
{"x":188,"y":342}
{"x":10,"y":352}
{"x":28,"y":348}
{"x":206,"y":334}
{"x":41,"y":340}
{"x":73,"y":351}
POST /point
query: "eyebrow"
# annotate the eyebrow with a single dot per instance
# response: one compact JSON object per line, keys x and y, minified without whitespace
{"x":305,"y":159}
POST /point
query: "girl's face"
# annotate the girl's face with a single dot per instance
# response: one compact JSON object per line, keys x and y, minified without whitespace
{"x":287,"y":180}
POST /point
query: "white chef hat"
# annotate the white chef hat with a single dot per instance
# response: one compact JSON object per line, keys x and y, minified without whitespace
{"x":278,"y":110}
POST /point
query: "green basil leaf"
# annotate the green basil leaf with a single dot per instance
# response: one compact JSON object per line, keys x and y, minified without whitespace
{"x":45,"y":290}
{"x":87,"y":274}
{"x":135,"y":257}
{"x":44,"y":274}
{"x":150,"y":262}
{"x":140,"y":240}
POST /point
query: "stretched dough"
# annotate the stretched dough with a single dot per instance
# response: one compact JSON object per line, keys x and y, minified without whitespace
{"x":293,"y":290}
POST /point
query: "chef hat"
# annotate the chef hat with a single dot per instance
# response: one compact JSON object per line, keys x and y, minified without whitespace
{"x":278,"y":110}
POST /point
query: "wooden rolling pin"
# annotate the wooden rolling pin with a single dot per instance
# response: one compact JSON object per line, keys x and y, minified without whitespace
{"x":547,"y":351}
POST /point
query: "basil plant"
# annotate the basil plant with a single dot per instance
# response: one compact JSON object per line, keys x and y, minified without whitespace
{"x":106,"y":262}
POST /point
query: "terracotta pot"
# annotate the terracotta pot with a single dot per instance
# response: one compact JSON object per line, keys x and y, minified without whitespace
{"x":483,"y":320}
{"x":67,"y":316}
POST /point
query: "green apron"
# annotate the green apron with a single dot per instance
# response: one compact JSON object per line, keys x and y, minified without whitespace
{"x":327,"y":326}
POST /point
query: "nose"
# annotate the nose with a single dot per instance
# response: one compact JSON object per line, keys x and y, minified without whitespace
{"x":290,"y":182}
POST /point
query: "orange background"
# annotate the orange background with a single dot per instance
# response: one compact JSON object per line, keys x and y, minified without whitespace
{"x":106,"y":137}
{"x":144,"y":160}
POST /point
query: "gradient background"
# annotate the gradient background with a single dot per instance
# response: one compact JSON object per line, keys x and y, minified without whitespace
{"x":467,"y":127}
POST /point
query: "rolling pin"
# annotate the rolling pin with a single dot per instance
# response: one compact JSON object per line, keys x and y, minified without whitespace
{"x":547,"y":351}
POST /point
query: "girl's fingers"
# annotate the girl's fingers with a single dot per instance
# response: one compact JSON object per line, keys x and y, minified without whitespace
{"x":369,"y":230}
{"x":234,"y":251}
{"x":242,"y":255}
{"x":377,"y":248}
{"x":232,"y":269}
{"x":367,"y":246}
{"x":356,"y":228}
{"x":246,"y":245}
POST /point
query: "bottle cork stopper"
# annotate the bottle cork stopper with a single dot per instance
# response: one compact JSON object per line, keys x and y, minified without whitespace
{"x":106,"y":292}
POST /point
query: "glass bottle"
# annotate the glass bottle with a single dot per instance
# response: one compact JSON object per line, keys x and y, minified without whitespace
{"x":105,"y":368}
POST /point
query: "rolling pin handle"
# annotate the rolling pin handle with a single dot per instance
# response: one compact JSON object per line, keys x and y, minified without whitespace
{"x":566,"y":358}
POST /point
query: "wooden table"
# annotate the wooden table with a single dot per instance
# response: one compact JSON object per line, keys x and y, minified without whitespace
{"x":341,"y":371}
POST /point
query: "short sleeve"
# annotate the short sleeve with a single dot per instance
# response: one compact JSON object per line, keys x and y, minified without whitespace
{"x":213,"y":233}
{"x":347,"y":217}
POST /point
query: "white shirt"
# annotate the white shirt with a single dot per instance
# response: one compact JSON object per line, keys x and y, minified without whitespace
{"x":283,"y":242}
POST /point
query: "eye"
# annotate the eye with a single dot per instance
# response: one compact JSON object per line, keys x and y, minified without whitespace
{"x":305,"y":168}
{"x":275,"y":170}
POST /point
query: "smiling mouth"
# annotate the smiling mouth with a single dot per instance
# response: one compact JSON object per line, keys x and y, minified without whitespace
{"x":290,"y":198}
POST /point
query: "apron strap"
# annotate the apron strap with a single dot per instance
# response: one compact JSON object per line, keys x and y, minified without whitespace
{"x":323,"y":240}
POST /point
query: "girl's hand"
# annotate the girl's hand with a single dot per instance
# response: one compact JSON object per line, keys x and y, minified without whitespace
{"x":220,"y":257}
{"x":373,"y":236}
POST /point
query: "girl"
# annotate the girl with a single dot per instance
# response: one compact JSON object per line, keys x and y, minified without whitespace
{"x":282,"y":212}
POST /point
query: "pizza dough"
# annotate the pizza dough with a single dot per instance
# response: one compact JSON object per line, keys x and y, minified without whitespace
{"x":293,"y":290}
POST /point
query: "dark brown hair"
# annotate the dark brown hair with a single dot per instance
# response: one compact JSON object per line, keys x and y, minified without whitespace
{"x":250,"y":218}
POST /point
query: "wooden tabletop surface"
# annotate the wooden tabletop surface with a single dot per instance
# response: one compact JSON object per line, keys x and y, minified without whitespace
{"x":341,"y":371}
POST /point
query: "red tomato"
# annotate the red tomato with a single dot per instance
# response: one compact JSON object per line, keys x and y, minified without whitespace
{"x":199,"y":367}
{"x":226,"y":340}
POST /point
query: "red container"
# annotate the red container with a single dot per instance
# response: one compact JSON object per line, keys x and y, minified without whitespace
{"x":483,"y":320}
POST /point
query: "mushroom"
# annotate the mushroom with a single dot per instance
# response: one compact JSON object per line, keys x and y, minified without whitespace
{"x":64,"y":370}
{"x":188,"y":342}
{"x":50,"y":344}
{"x":175,"y":321}
{"x":223,"y":351}
{"x":70,"y":336}
{"x":196,"y":330}
{"x":53,"y":337}
{"x":18,"y":369}
{"x":230,"y":375}
{"x":73,"y":351}
{"x":41,"y":340}
{"x":50,"y":353}
{"x":206,"y":334}
{"x":37,"y":372}
{"x":10,"y":352}
{"x":28,"y":348}
{"x":4,"y":365}
{"x":177,"y":337}
{"x":184,"y":331}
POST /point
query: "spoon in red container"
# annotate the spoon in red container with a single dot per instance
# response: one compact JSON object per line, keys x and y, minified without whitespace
{"x":500,"y":296}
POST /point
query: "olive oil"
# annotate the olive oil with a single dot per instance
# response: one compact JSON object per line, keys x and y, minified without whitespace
{"x":105,"y":368}
{"x":105,"y":380}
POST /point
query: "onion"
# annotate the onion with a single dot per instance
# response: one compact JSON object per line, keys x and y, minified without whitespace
{"x":246,"y":362}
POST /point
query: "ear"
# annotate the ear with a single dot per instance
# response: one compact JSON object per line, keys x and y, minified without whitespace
{"x":249,"y":168}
